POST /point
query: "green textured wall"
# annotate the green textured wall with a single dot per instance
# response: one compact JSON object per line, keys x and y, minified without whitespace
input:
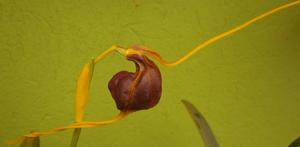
{"x":247,"y":85}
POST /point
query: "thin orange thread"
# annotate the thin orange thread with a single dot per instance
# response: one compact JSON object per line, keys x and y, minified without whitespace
{"x":218,"y":37}
{"x":87,"y":124}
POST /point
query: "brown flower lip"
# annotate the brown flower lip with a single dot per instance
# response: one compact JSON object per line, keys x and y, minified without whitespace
{"x":137,"y":91}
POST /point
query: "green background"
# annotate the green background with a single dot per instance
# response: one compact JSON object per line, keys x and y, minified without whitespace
{"x":247,"y":85}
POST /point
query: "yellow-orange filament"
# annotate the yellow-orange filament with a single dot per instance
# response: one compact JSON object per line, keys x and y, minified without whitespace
{"x":220,"y":36}
{"x":84,"y":124}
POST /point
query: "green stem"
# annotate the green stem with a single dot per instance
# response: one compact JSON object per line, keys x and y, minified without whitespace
{"x":75,"y":137}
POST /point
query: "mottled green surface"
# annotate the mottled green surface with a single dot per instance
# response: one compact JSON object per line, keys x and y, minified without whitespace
{"x":247,"y":85}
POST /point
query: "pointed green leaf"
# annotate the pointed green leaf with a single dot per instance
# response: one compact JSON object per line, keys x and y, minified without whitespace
{"x":202,"y":125}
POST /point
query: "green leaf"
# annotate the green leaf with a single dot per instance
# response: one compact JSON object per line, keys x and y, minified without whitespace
{"x":202,"y":125}
{"x":295,"y":143}
{"x":75,"y":137}
{"x":31,"y":142}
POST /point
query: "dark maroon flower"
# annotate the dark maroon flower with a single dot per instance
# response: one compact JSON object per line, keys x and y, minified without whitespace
{"x":139,"y":90}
